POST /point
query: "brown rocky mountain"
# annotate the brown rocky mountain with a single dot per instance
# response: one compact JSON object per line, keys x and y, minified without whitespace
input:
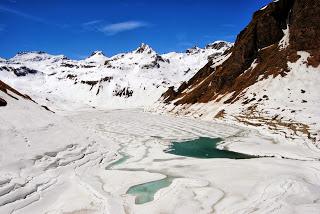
{"x":264,"y":49}
{"x":258,"y":41}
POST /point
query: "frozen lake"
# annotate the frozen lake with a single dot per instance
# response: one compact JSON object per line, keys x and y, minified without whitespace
{"x":115,"y":162}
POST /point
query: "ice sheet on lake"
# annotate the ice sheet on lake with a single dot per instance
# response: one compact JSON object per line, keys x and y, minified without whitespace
{"x":57,"y":164}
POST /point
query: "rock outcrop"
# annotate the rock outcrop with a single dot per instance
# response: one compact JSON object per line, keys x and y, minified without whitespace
{"x":12,"y":92}
{"x":144,"y":48}
{"x":263,"y":48}
{"x":3,"y":102}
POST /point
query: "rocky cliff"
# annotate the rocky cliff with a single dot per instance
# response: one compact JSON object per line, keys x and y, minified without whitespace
{"x":265,"y":76}
{"x":292,"y":23}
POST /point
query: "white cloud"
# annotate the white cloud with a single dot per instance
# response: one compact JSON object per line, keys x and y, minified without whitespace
{"x":91,"y":25}
{"x":93,"y":22}
{"x":115,"y":28}
{"x":6,"y":9}
{"x":19,"y":13}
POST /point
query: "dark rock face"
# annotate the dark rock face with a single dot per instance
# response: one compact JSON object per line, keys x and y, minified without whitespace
{"x":124,"y":92}
{"x":21,"y":71}
{"x":89,"y":82}
{"x":68,"y":65}
{"x":144,"y":48}
{"x":156,"y":62}
{"x":217,"y":45}
{"x":153,"y":64}
{"x":5,"y":68}
{"x":106,"y":79}
{"x":159,"y":58}
{"x":305,"y":25}
{"x":193,"y":50}
{"x":259,"y":41}
{"x":71,"y":76}
{"x":265,"y":29}
{"x":3,"y":102}
{"x":88,"y":66}
{"x":169,"y":93}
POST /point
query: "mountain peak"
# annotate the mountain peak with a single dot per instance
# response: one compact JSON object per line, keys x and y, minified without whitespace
{"x":97,"y":56}
{"x":195,"y":49}
{"x":97,"y":53}
{"x":218,"y":45}
{"x":37,"y":56}
{"x":144,"y":48}
{"x":31,"y":52}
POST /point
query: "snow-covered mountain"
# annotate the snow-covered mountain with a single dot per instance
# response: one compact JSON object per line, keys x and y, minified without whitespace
{"x":106,"y":161}
{"x":270,"y":77}
{"x":97,"y":57}
{"x":132,"y":79}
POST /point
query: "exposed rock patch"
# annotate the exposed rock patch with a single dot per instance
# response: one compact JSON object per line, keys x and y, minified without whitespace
{"x":3,"y":102}
{"x":20,"y":71}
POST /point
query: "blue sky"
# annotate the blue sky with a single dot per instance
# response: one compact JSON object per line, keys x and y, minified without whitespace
{"x":78,"y":27}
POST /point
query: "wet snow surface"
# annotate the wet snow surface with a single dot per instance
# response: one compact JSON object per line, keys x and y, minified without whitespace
{"x":85,"y":162}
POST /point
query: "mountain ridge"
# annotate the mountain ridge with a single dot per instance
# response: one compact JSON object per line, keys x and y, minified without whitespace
{"x":131,"y":79}
{"x":279,"y":47}
{"x":100,"y":52}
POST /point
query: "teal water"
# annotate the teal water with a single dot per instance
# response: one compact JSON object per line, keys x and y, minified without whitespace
{"x":145,"y":192}
{"x":203,"y":147}
{"x":120,"y":161}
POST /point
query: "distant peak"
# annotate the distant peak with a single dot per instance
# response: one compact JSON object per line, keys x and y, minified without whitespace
{"x":37,"y":56}
{"x":97,"y":56}
{"x":218,"y":45}
{"x":31,"y":52}
{"x":144,"y":48}
{"x":194,"y":49}
{"x":97,"y":53}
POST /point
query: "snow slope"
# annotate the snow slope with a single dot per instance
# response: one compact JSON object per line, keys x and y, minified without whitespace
{"x":132,"y":79}
{"x":39,"y":150}
{"x":61,"y":164}
{"x":288,"y":105}
{"x":73,"y":163}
